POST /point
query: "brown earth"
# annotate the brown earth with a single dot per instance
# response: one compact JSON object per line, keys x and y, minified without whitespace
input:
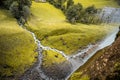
{"x":107,"y":66}
{"x":104,"y":65}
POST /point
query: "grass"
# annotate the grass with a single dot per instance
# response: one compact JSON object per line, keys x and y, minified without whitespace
{"x":76,"y":76}
{"x":79,"y":73}
{"x":50,"y":58}
{"x":50,"y":26}
{"x":82,"y":71}
{"x":17,"y":47}
{"x":98,"y":3}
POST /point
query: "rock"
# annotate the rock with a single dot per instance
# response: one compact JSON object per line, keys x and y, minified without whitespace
{"x":58,"y":71}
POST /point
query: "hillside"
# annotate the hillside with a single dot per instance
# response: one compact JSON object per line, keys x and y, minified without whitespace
{"x":104,"y":65}
{"x":19,"y":52}
{"x":17,"y":47}
{"x":50,"y":26}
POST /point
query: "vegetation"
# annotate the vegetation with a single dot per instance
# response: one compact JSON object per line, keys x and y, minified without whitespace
{"x":118,"y":1}
{"x":97,"y":3}
{"x":51,"y":57}
{"x":74,"y":12}
{"x":58,"y":3}
{"x":17,"y":47}
{"x":105,"y":60}
{"x":18,"y":8}
{"x":54,"y":31}
{"x":55,"y":65}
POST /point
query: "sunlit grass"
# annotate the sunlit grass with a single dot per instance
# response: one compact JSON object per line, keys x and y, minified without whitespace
{"x":98,"y":3}
{"x":51,"y":57}
{"x":17,"y":47}
{"x":50,"y":26}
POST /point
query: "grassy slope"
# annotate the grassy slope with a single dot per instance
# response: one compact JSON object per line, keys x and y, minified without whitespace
{"x":49,"y":59}
{"x":50,"y":26}
{"x":99,"y":64}
{"x":16,"y":46}
{"x":98,"y":3}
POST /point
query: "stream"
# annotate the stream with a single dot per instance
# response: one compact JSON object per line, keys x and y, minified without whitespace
{"x":78,"y":59}
{"x":82,"y":56}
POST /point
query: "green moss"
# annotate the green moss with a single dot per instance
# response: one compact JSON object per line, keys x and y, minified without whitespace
{"x":77,"y":76}
{"x":17,"y":47}
{"x":50,"y":58}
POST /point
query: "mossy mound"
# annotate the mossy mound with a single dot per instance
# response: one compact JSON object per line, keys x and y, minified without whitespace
{"x":17,"y":47}
{"x":55,"y":65}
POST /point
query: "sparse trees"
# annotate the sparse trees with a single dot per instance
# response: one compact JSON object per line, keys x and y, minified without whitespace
{"x":89,"y":15}
{"x":75,"y":12}
{"x":14,"y":8}
{"x":70,"y":3}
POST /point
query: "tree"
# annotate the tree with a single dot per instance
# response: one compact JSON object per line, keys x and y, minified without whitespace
{"x":91,"y":9}
{"x":18,"y":8}
{"x":73,"y":13}
{"x":118,"y":1}
{"x":14,"y":9}
{"x":26,"y":12}
{"x":69,"y":3}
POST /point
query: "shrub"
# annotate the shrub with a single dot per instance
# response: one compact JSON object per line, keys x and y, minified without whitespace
{"x":73,"y":13}
{"x":18,"y":8}
{"x":14,"y":9}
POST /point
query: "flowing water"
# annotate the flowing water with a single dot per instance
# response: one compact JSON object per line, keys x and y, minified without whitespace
{"x":110,"y":15}
{"x":79,"y":60}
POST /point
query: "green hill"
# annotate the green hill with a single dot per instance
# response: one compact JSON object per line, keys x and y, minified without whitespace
{"x":17,"y":47}
{"x":51,"y":27}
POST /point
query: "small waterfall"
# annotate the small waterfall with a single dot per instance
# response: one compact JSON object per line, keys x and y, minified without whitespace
{"x":109,"y":15}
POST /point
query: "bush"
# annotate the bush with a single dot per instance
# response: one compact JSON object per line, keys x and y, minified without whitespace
{"x":18,"y":8}
{"x":91,"y":10}
{"x":70,"y":3}
{"x":14,"y":9}
{"x":73,"y":13}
